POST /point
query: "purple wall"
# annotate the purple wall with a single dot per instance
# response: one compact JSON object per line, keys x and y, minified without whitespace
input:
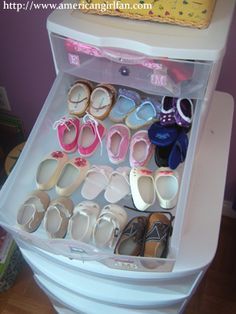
{"x":27,"y":72}
{"x":227,"y":83}
{"x":26,"y":67}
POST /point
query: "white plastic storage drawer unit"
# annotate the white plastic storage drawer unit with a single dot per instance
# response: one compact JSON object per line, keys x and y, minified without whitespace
{"x":155,"y":60}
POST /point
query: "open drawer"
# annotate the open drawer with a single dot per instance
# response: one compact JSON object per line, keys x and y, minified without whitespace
{"x":42,"y":141}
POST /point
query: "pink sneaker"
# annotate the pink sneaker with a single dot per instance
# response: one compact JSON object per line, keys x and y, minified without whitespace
{"x":141,"y":149}
{"x":67,"y":133}
{"x":117,"y":143}
{"x":90,"y":136}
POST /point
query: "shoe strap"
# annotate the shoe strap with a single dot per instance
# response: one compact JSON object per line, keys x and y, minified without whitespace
{"x":131,"y":95}
{"x":65,"y":121}
{"x":88,"y":118}
{"x":85,"y":211}
{"x":95,"y":168}
{"x":61,"y":209}
{"x":111,"y":218}
{"x":79,"y":101}
{"x":35,"y":203}
{"x":148,"y":102}
{"x":136,"y":230}
{"x":122,"y":174}
{"x":158,"y":232}
{"x":111,"y":95}
{"x":100,"y":170}
{"x":37,"y":208}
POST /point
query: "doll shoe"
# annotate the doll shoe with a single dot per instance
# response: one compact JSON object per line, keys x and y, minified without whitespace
{"x":67,"y":133}
{"x":109,"y":225}
{"x":117,"y":143}
{"x":141,"y":149}
{"x":57,"y":217}
{"x":167,"y":115}
{"x":118,"y":186}
{"x":83,"y":220}
{"x":142,"y":188}
{"x":132,"y":238}
{"x":49,"y":170}
{"x":161,"y":155}
{"x":32,"y":211}
{"x":72,"y":176}
{"x":157,"y":235}
{"x":166,"y":183}
{"x":101,"y":101}
{"x":179,"y":151}
{"x":127,"y":101}
{"x":144,"y":114}
{"x":78,"y":97}
{"x":96,"y":181}
{"x":184,"y":112}
{"x":162,"y":135}
{"x":90,"y":136}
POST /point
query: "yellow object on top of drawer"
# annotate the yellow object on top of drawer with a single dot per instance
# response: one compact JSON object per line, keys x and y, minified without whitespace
{"x":183,"y":12}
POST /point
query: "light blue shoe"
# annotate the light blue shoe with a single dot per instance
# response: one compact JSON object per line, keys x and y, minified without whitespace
{"x":127,"y":101}
{"x":146,"y":113}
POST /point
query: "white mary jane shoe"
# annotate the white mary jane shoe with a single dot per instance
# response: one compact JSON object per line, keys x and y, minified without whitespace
{"x":166,"y":182}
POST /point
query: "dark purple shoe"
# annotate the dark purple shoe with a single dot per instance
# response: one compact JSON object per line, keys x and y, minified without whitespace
{"x":167,"y":115}
{"x":184,"y":112}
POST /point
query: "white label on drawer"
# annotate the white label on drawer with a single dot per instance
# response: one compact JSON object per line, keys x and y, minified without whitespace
{"x":125,"y":265}
{"x":77,"y":250}
{"x":74,"y":59}
{"x":158,"y":79}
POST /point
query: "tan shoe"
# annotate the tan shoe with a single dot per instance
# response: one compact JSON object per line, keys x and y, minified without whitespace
{"x":57,"y":217}
{"x":101,"y":101}
{"x":157,"y":235}
{"x":72,"y":175}
{"x":32,"y":211}
{"x":49,"y":170}
{"x":78,"y":97}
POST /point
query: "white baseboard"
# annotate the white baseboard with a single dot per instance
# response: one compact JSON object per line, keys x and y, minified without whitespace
{"x":227,"y":209}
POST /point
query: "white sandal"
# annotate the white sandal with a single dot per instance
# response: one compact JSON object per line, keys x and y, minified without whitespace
{"x":96,"y":180}
{"x":118,"y":186}
{"x":109,"y":225}
{"x":82,"y":222}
